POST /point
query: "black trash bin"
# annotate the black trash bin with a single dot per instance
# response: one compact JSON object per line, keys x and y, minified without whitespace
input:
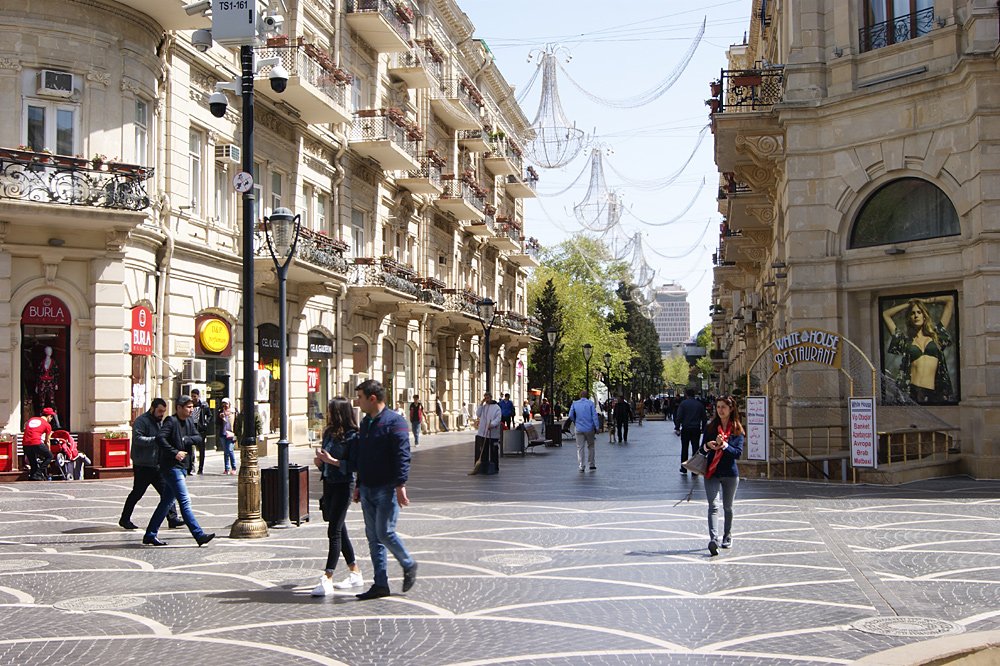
{"x":298,"y":494}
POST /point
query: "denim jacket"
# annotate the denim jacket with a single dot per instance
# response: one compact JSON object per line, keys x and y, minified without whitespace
{"x":345,"y":450}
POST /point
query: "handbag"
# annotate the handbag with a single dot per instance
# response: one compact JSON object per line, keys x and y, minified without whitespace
{"x":697,"y":463}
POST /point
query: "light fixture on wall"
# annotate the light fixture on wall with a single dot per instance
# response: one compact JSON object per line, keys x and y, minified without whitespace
{"x":837,"y":52}
{"x":941,"y":21}
{"x":778,"y":264}
{"x":895,"y":250}
{"x":56,"y":242}
{"x":781,"y":276}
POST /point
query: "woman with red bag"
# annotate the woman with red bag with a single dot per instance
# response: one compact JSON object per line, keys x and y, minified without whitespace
{"x":723,"y":445}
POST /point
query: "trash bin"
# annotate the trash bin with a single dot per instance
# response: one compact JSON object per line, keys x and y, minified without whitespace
{"x":553,"y":433}
{"x":298,"y":494}
{"x":513,"y":442}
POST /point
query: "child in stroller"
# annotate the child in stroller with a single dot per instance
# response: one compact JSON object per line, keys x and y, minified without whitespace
{"x":67,"y":455}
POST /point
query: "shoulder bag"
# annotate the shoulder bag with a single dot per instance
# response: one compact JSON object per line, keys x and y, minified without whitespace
{"x":697,"y":463}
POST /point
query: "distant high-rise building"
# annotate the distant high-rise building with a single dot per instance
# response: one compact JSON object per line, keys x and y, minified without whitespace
{"x":671,"y":316}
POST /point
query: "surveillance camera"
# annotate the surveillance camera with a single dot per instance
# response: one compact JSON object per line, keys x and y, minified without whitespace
{"x":279,"y":78}
{"x":201,"y":40}
{"x":200,"y":7}
{"x":217,"y":104}
{"x":273,"y":22}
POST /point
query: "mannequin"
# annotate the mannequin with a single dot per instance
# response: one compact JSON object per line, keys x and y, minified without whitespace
{"x":48,"y":380}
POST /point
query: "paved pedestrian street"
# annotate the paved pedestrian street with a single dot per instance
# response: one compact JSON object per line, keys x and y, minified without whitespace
{"x":540,"y":564}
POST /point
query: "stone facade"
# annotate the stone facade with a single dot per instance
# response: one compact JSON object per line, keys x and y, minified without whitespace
{"x":393,"y":140}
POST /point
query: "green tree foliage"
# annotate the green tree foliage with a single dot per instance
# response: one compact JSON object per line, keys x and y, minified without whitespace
{"x":704,"y":338}
{"x":677,"y":372}
{"x":640,"y":333}
{"x":547,"y":308}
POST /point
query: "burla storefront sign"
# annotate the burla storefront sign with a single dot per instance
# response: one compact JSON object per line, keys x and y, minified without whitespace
{"x":808,"y":345}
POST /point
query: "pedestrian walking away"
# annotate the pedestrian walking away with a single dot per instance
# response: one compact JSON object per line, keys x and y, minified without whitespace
{"x":416,"y":419}
{"x":336,"y":460}
{"x":723,"y":444}
{"x":383,"y":466}
{"x":584,"y":415}
{"x":146,"y":464}
{"x":35,"y":441}
{"x":507,"y":410}
{"x":177,"y":441}
{"x":488,"y":436}
{"x":227,"y":435}
{"x":689,"y":419}
{"x":623,"y":414}
{"x":201,"y":415}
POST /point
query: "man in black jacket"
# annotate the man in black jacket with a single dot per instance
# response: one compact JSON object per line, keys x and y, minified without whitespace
{"x":201,"y":415}
{"x":145,"y":464}
{"x":177,"y":440}
{"x":689,"y":419}
{"x":623,"y":414}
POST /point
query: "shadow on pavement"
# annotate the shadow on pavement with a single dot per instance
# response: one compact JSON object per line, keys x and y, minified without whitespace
{"x":282,"y":594}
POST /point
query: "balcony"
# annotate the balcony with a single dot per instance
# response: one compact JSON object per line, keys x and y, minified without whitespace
{"x":508,"y":236}
{"x":504,"y":157}
{"x":42,"y":189}
{"x":459,"y":104}
{"x":384,"y":136}
{"x":386,"y":25}
{"x":527,"y":257}
{"x":418,"y":68}
{"x":318,"y":258}
{"x":169,"y":14}
{"x":746,"y":128}
{"x":522,"y":189}
{"x":426,"y":179}
{"x":317,"y":89}
{"x":461,"y":200}
{"x":896,"y":30}
{"x":460,"y":305}
{"x":431,"y":298}
{"x":484,"y":228}
{"x":379,"y":286}
{"x":475,"y":141}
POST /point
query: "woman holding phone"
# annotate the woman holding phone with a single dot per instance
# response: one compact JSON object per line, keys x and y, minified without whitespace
{"x":723,"y":445}
{"x":334,"y":459}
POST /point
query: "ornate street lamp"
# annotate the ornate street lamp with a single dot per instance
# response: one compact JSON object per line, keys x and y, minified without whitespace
{"x":588,"y":351}
{"x":282,"y":233}
{"x":551,"y":334}
{"x":486,"y":310}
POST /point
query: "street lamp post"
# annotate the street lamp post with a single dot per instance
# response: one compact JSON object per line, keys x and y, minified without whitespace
{"x":588,"y":351}
{"x":552,"y":334}
{"x":621,"y":377}
{"x":282,"y":232}
{"x":486,"y":310}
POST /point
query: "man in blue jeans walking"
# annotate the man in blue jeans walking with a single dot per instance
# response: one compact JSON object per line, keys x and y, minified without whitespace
{"x":383,"y":464}
{"x":177,"y":441}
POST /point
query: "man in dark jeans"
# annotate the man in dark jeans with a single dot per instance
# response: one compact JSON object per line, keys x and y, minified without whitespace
{"x":623,"y":414}
{"x":689,"y":419}
{"x":202,"y":417}
{"x":145,"y":464}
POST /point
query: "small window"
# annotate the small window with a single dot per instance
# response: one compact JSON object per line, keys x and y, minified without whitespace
{"x":357,"y":232}
{"x":221,"y":195}
{"x":195,"y":174}
{"x":321,"y":213}
{"x":51,"y":127}
{"x":258,"y":193}
{"x":908,"y":209}
{"x":276,"y":190}
{"x":141,"y":131}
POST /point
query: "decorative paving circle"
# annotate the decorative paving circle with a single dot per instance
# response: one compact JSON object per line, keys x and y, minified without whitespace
{"x":86,"y":604}
{"x":239,"y":556}
{"x":282,"y":575}
{"x":22,"y":565}
{"x":516,"y":559}
{"x":915,"y":627}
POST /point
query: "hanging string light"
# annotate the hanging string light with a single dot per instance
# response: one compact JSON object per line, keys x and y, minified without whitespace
{"x":555,"y":141}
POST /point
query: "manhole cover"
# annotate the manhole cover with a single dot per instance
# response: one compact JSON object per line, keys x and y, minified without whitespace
{"x":916,"y":627}
{"x":99,"y":603}
{"x":516,"y":559}
{"x":238,"y":556}
{"x":282,"y":575}
{"x":22,"y":565}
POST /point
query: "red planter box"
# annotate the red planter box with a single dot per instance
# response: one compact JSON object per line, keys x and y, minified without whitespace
{"x":6,"y":456}
{"x":115,"y":452}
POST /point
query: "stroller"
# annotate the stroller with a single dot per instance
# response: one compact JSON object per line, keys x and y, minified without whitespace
{"x":67,"y":456}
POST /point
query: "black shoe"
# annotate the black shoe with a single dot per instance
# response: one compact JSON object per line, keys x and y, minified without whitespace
{"x":173,"y":524}
{"x":713,"y":548}
{"x":152,"y":541}
{"x":409,"y":577}
{"x":204,"y":538}
{"x":684,"y":470}
{"x":127,"y":524}
{"x":593,"y":468}
{"x":727,"y":542}
{"x":374,"y":592}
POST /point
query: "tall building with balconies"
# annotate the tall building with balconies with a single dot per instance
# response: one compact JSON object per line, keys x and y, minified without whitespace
{"x":120,"y":229}
{"x":671,"y":316}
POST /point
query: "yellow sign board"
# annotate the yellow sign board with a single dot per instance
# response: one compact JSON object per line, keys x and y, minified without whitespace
{"x":214,"y":335}
{"x":808,"y":345}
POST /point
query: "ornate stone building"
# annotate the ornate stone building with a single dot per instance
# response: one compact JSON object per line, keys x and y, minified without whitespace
{"x":120,"y":229}
{"x":856,"y":150}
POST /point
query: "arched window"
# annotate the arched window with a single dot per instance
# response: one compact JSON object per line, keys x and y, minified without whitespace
{"x":359,"y":354}
{"x":907,"y":209}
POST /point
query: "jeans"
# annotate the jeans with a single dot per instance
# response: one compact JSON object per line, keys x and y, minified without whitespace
{"x":174,"y":488}
{"x":142,"y":479}
{"x":416,"y":432}
{"x":622,"y":429}
{"x":337,"y":499}
{"x":228,"y":457}
{"x":381,"y":510}
{"x":39,"y":458}
{"x":201,"y":454}
{"x":585,"y":439}
{"x":689,"y":438}
{"x":725,"y":486}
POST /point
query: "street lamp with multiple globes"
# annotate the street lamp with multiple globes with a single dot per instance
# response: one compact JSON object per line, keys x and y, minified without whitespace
{"x":486,"y":310}
{"x":282,"y":232}
{"x":588,"y":351}
{"x":552,"y":334}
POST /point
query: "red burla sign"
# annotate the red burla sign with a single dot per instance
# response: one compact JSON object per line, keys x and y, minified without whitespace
{"x":142,"y":331}
{"x":46,"y":311}
{"x":312,"y":379}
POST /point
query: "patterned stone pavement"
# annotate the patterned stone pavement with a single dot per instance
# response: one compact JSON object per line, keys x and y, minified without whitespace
{"x":540,"y":564}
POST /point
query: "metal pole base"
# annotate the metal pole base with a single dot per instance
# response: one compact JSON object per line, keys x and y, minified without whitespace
{"x":248,"y":524}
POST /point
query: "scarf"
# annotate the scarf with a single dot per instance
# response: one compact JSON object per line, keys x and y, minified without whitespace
{"x":717,"y":454}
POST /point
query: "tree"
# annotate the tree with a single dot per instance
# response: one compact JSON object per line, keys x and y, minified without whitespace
{"x":548,"y":310}
{"x":643,"y":340}
{"x":677,"y":372}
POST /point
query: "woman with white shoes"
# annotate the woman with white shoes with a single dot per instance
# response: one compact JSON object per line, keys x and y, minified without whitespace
{"x":340,"y":440}
{"x":723,"y":444}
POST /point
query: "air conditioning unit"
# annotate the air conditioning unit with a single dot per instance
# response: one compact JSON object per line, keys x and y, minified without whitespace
{"x":263,"y":386}
{"x":52,"y":83}
{"x":228,"y":153}
{"x":352,"y":383}
{"x":193,"y":370}
{"x":187,"y":388}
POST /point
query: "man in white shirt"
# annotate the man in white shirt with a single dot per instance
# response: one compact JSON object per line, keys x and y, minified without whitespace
{"x":584,"y":416}
{"x":488,"y":436}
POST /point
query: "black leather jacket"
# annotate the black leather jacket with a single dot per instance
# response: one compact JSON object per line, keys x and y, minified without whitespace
{"x":177,"y":435}
{"x":145,"y":450}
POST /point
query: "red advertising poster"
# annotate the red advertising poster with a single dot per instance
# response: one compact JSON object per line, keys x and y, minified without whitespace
{"x":142,"y":331}
{"x":312,"y":379}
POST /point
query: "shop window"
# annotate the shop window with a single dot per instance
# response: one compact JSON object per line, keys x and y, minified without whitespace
{"x":318,"y":383}
{"x":907,"y":209}
{"x":45,"y":358}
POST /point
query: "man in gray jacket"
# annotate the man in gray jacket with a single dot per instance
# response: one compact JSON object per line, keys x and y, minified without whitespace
{"x":145,"y":464}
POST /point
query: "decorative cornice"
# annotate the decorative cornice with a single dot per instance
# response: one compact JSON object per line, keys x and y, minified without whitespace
{"x":10,"y":63}
{"x":115,"y":239}
{"x":99,"y":78}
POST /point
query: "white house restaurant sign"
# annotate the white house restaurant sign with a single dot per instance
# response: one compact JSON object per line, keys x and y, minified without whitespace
{"x":807,"y":345}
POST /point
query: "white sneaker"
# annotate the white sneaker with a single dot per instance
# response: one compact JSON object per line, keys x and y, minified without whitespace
{"x":354,"y":579}
{"x":325,"y":587}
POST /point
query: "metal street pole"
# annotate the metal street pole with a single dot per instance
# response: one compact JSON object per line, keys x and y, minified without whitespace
{"x":588,"y":351}
{"x":486,"y":309}
{"x":248,"y":524}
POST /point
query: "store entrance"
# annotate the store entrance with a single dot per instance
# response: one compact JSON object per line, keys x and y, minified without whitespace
{"x":45,"y":360}
{"x":216,"y":388}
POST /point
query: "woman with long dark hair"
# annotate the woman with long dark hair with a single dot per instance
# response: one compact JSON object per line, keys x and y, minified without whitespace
{"x":723,"y":444}
{"x":334,"y":459}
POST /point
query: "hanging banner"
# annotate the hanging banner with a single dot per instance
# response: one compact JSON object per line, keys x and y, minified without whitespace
{"x":864,"y":438}
{"x":757,"y":428}
{"x":142,"y":331}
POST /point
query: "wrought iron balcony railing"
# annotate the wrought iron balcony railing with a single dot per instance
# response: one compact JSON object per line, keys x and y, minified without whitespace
{"x":460,"y":300}
{"x":457,"y":189}
{"x":898,"y":29}
{"x":432,"y":296}
{"x":309,"y":63}
{"x":367,"y":272}
{"x":510,"y":230}
{"x":58,"y":179}
{"x":749,"y":90}
{"x":381,"y":128}
{"x":418,"y":56}
{"x":465,"y":93}
{"x":429,"y":169}
{"x":312,"y":247}
{"x":397,"y":14}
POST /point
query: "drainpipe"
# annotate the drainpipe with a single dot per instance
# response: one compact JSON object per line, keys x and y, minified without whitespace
{"x":164,"y":256}
{"x":339,"y":336}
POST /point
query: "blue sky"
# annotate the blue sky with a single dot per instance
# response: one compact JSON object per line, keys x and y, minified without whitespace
{"x":617,"y":54}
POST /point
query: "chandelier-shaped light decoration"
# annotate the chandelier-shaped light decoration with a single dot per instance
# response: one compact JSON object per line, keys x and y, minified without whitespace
{"x":556,"y":141}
